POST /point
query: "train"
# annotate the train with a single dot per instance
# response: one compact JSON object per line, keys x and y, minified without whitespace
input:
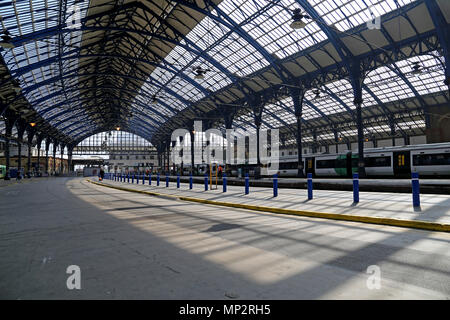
{"x":425,"y":159}
{"x":429,"y":160}
{"x":2,"y":171}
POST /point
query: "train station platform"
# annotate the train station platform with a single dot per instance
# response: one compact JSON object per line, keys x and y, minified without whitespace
{"x":427,"y":184}
{"x":130,"y":245}
{"x":373,"y":207}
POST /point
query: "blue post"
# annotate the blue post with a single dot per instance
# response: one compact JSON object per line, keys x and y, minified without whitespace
{"x":150,"y":179}
{"x":310,"y":186}
{"x":128,"y":176}
{"x":206,"y":182}
{"x":246,"y":184}
{"x":224,"y":182}
{"x":157,"y":179}
{"x":132,"y":178}
{"x":190,"y":181}
{"x":143,"y":178}
{"x":275,"y":185}
{"x":355,"y":188}
{"x":178,"y":180}
{"x":415,"y":189}
{"x":167,"y":179}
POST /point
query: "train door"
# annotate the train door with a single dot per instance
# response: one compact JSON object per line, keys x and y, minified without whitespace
{"x":351,"y":164}
{"x":402,"y":163}
{"x":309,"y":165}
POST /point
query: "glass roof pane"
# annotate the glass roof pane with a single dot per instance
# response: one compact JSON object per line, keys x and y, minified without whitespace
{"x":347,"y":14}
{"x":268,"y":24}
{"x":23,"y":17}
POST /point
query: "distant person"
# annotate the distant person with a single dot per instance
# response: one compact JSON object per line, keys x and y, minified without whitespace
{"x":102,"y":174}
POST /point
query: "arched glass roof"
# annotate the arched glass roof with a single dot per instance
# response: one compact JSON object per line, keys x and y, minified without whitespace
{"x":133,"y":63}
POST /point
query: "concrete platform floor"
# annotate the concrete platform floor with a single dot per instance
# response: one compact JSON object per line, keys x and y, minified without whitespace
{"x":434,"y":207}
{"x":135,"y":246}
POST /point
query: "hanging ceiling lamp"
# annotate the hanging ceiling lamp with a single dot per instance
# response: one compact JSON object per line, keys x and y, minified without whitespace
{"x":6,"y":40}
{"x":297,"y":19}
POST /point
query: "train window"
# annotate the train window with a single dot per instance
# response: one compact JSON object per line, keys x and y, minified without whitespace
{"x":341,"y":163}
{"x":354,"y":162}
{"x":437,"y":159}
{"x":288,"y":165}
{"x":377,"y":162}
{"x":324,"y":164}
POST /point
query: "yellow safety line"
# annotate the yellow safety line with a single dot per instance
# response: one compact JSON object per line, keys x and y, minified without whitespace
{"x":416,"y":224}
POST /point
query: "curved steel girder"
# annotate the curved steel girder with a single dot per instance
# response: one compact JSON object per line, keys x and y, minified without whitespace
{"x":443,"y":32}
{"x":97,"y":117}
{"x":41,"y":126}
{"x":380,"y":103}
{"x":100,"y":130}
{"x":143,"y":132}
{"x":188,"y":48}
{"x":55,"y":31}
{"x":69,"y":56}
{"x":60,"y":29}
{"x":341,"y":49}
{"x":132,"y":93}
{"x":93,"y":118}
{"x":137,"y":101}
{"x":74,"y":89}
{"x":232,"y":25}
{"x":135,"y":124}
{"x":90,"y":114}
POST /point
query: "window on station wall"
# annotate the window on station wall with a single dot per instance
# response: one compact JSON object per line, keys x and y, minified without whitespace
{"x":113,"y":142}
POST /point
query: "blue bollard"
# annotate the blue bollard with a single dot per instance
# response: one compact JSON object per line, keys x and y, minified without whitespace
{"x":275,"y":185}
{"x":247,"y":184}
{"x":415,"y":189}
{"x":178,"y":180}
{"x":167,"y":180}
{"x":132,"y":179}
{"x":128,"y":176}
{"x":157,"y":180}
{"x":310,"y":186}
{"x":143,"y":178}
{"x":206,"y":182}
{"x":190,"y":182}
{"x":224,"y":182}
{"x":355,"y":188}
{"x":150,"y":179}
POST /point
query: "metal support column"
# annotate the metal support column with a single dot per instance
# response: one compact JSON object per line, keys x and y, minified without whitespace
{"x":61,"y":165}
{"x":8,"y":133}
{"x":54,"y":158}
{"x":47,"y":147}
{"x":297,"y":98}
